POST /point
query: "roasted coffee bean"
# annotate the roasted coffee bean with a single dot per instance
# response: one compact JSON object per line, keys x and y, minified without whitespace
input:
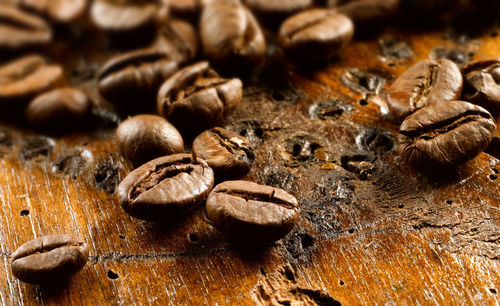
{"x":49,"y":259}
{"x":315,"y":35}
{"x":61,"y":11}
{"x":482,"y":84}
{"x":19,"y":29}
{"x":445,"y":134}
{"x":425,"y":83}
{"x":179,"y":40}
{"x":230,"y":33}
{"x":197,"y":98}
{"x":28,"y":76}
{"x":59,"y":110}
{"x":131,"y":80}
{"x":366,"y":12}
{"x":226,"y":152}
{"x":166,"y":188}
{"x":277,"y":6}
{"x":145,"y":137}
{"x":126,"y":16}
{"x":250,"y":214}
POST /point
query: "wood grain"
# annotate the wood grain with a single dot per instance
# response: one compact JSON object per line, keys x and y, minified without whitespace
{"x":382,"y":234}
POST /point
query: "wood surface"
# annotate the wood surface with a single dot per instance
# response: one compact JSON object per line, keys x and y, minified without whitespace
{"x":372,"y":230}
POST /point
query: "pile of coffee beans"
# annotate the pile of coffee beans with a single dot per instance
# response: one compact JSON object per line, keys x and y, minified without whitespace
{"x":437,"y":131}
{"x":175,"y":100}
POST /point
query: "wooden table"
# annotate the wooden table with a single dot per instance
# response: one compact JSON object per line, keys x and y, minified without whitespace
{"x":372,"y":230}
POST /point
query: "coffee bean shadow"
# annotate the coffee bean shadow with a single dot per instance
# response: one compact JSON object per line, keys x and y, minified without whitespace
{"x":54,"y":290}
{"x":100,"y":119}
{"x":272,"y":74}
{"x":172,"y":227}
{"x":369,"y":30}
{"x":274,"y":20}
{"x":13,"y":112}
{"x":493,"y":148}
{"x":167,"y":227}
{"x":252,"y":254}
{"x":307,"y":67}
{"x":129,"y":40}
{"x":479,"y":21}
{"x":443,"y":177}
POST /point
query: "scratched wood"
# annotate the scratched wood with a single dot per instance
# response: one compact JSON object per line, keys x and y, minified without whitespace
{"x":372,"y":230}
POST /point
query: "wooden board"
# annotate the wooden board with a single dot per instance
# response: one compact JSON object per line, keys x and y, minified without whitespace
{"x":372,"y":230}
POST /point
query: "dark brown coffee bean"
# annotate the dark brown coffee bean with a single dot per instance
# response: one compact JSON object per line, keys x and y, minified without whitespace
{"x":482,"y":84}
{"x":19,"y":29}
{"x":197,"y":98}
{"x":28,"y":76}
{"x":250,"y":214}
{"x":49,"y":259}
{"x":179,"y":40}
{"x":166,"y":188}
{"x":445,"y":134}
{"x":131,"y":80}
{"x":145,"y":137}
{"x":277,"y":6}
{"x":128,"y":15}
{"x":226,"y":152}
{"x":229,"y":32}
{"x":366,"y":12}
{"x":61,"y":11}
{"x":425,"y":83}
{"x":59,"y":110}
{"x":315,"y":35}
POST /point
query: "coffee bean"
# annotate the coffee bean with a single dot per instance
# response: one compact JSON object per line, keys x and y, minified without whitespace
{"x":425,"y":83}
{"x":145,"y":137}
{"x":59,"y":110}
{"x":128,"y":16}
{"x":369,"y":12}
{"x":250,"y":214}
{"x":61,"y":11}
{"x":230,"y":33}
{"x":179,"y":40}
{"x":49,"y":259}
{"x":28,"y":76}
{"x":166,"y":188}
{"x":315,"y":35}
{"x":131,"y":80}
{"x":277,"y":6}
{"x":482,"y":84}
{"x":445,"y":134}
{"x":197,"y":98}
{"x":19,"y":29}
{"x":226,"y":152}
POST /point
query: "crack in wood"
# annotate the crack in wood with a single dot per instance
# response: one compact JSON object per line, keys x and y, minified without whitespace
{"x":117,"y":256}
{"x":283,"y":287}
